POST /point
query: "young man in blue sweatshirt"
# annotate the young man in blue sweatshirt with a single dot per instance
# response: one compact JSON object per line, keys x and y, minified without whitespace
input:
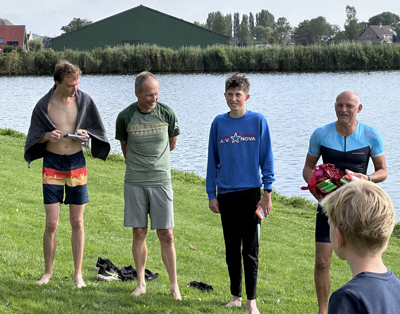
{"x":240,"y":162}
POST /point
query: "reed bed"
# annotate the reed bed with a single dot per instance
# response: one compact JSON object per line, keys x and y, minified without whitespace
{"x":134,"y":59}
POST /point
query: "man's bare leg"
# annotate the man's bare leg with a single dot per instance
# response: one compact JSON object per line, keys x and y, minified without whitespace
{"x":251,"y":306}
{"x":77,"y":240}
{"x":235,"y":302}
{"x":139,"y":252}
{"x":169,"y":258}
{"x":322,"y":279}
{"x":50,"y":240}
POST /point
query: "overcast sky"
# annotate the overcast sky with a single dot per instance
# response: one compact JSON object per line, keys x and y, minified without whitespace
{"x":45,"y":17}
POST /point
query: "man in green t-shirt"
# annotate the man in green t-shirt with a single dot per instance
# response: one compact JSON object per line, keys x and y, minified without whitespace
{"x":148,"y":130}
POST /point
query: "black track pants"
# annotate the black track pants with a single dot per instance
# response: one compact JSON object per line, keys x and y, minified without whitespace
{"x":240,"y":226}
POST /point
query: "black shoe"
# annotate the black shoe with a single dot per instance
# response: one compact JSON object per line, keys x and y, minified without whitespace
{"x":200,"y":285}
{"x":149,"y":276}
{"x":105,"y":263}
{"x":108,"y":274}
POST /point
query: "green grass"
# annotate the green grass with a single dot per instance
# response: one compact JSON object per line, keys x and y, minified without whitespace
{"x":285,"y":282}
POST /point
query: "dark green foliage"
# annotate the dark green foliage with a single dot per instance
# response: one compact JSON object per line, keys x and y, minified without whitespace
{"x":312,"y":32}
{"x":11,"y":48}
{"x":265,"y":19}
{"x":87,"y":62}
{"x":45,"y":61}
{"x":35,"y":45}
{"x":351,"y":28}
{"x":75,"y":24}
{"x":216,"y":59}
{"x":219,"y":23}
{"x":12,"y":133}
{"x":220,"y":58}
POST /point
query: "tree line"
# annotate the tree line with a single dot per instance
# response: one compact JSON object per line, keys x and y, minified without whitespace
{"x":262,"y":28}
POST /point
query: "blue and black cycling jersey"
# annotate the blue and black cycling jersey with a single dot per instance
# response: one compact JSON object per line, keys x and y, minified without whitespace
{"x":346,"y":152}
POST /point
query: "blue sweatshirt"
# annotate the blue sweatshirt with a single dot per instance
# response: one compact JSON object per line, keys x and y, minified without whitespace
{"x":237,"y":150}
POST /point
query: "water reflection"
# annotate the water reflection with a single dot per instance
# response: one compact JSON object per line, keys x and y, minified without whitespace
{"x":294,"y":104}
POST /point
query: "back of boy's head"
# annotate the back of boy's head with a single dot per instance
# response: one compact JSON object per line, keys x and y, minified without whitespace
{"x":237,"y":81}
{"x":365,"y":214}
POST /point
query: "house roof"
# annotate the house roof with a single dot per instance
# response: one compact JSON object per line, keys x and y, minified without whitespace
{"x":12,"y":31}
{"x":4,"y":22}
{"x":381,"y":30}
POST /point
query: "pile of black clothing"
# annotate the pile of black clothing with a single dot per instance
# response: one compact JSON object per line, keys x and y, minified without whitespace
{"x":109,"y":272}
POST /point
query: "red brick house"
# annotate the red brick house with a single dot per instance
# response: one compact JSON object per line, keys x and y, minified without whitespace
{"x":11,"y":34}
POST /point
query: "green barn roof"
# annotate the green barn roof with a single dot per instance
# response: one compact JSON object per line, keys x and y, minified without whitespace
{"x":139,"y":25}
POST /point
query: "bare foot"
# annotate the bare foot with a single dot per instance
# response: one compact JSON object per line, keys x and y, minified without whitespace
{"x":175,"y":293}
{"x":79,"y":282}
{"x":45,"y":279}
{"x":140,"y":289}
{"x":235,"y":302}
{"x":252,"y":307}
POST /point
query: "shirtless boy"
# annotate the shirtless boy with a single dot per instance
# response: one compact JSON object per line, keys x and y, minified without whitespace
{"x":65,"y":110}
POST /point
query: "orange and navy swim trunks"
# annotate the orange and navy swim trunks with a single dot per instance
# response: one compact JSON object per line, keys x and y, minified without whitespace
{"x":64,"y":172}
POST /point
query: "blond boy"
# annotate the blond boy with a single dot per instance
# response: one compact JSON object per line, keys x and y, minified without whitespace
{"x":361,"y":219}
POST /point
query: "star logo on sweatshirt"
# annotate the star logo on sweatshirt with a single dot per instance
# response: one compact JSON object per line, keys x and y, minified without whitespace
{"x":235,"y":138}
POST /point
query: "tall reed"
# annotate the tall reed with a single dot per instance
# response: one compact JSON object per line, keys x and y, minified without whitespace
{"x":134,"y":59}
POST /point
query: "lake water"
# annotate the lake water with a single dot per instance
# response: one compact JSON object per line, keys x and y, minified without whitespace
{"x":295,"y":104}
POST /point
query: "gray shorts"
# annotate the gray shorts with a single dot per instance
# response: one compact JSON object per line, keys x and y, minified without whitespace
{"x":154,"y":201}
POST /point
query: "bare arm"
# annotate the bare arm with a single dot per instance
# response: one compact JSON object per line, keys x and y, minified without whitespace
{"x":380,"y":173}
{"x":124,"y":144}
{"x":53,"y":136}
{"x":172,"y":142}
{"x":309,"y":166}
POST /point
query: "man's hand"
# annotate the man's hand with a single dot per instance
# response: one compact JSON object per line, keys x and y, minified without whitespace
{"x":213,"y":205}
{"x":53,"y":136}
{"x":84,"y":133}
{"x":266,"y":203}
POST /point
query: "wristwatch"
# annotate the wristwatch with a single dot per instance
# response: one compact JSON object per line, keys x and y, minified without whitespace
{"x":369,"y":178}
{"x":268,"y":190}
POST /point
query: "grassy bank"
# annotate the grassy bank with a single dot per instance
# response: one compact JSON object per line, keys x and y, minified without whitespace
{"x":129,"y":59}
{"x":286,"y":252}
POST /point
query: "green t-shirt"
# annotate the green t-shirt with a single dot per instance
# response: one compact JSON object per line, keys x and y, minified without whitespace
{"x":147,"y":135}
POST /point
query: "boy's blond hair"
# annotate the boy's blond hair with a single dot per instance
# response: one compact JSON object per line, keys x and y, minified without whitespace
{"x":365,"y":214}
{"x":238,"y":81}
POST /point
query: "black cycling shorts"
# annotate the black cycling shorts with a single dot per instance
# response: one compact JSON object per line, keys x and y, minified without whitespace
{"x":322,"y":227}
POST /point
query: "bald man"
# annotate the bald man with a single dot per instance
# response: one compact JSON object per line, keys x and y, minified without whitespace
{"x":348,"y":144}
